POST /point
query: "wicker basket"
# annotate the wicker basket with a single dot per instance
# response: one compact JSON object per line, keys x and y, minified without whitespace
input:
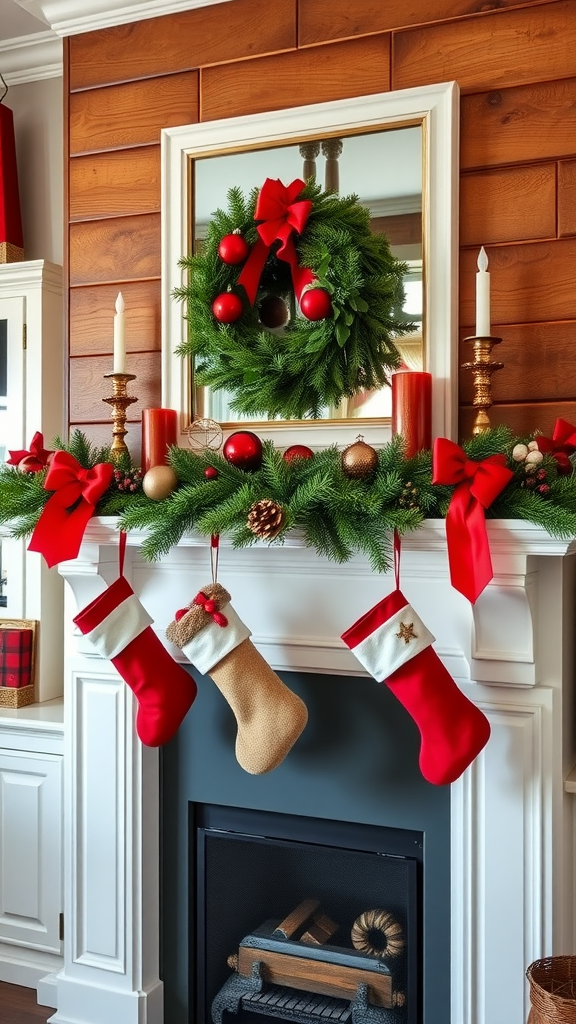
{"x":553,"y":990}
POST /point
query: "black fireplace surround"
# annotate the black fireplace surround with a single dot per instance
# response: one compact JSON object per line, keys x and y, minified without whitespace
{"x":346,"y":818}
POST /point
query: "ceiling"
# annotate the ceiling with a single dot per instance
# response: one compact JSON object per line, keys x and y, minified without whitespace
{"x":15,"y":22}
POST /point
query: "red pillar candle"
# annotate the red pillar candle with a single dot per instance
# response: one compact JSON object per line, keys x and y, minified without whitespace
{"x":159,"y":431}
{"x":412,"y":409}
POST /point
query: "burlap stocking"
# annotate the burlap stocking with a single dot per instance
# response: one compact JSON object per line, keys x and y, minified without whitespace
{"x":270,"y":717}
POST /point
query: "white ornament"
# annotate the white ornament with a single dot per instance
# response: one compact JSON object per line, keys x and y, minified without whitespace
{"x":519,"y":452}
{"x":534,"y":458}
{"x":532,"y":446}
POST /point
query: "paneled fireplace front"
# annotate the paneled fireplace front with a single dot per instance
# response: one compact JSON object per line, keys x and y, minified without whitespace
{"x":498,"y":865}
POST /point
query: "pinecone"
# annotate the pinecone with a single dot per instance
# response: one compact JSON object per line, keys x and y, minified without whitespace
{"x":266,"y":519}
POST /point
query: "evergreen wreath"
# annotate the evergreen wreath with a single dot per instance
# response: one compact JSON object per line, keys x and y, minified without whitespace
{"x":295,"y":370}
{"x":337,"y":516}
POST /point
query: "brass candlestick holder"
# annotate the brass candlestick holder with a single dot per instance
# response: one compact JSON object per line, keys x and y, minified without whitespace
{"x":119,"y":401}
{"x":482,"y":369}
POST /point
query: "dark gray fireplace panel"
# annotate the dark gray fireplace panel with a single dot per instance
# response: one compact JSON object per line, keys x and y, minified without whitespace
{"x":357,"y":761}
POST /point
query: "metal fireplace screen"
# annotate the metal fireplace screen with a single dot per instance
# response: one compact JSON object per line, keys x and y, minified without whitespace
{"x":304,"y":920}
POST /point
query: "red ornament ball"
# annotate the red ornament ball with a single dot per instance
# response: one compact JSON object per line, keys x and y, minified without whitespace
{"x":210,"y":473}
{"x":243,"y":450}
{"x":30,"y":464}
{"x":316,"y":304}
{"x":297,"y":451}
{"x":233,"y":249}
{"x":227,"y":308}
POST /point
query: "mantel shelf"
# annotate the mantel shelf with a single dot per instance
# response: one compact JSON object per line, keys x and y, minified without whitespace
{"x":512,"y":536}
{"x":298,"y":603}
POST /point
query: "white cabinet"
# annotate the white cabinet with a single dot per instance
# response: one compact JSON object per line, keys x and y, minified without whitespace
{"x":32,"y":375}
{"x":30,"y":844}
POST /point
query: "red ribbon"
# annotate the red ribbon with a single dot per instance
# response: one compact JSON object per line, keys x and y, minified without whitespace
{"x":560,"y":445}
{"x":60,"y":528}
{"x":477,"y":484}
{"x":210,"y":608}
{"x":281,"y":216}
{"x":38,"y":454}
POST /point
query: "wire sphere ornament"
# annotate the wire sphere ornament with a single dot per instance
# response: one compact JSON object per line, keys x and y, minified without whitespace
{"x":204,"y":434}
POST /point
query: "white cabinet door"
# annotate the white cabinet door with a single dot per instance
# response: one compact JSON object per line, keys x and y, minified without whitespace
{"x":30,"y":849}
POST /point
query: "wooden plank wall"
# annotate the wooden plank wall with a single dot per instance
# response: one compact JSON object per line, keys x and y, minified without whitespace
{"x":516,"y":67}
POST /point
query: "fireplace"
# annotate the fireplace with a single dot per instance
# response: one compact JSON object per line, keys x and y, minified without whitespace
{"x":291,"y":890}
{"x":497,"y":869}
{"x":350,"y":782}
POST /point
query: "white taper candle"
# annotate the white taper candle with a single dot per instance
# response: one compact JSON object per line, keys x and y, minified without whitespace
{"x":119,"y":336}
{"x":482,"y":296}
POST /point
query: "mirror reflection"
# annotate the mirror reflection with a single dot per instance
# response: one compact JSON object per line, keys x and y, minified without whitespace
{"x":384,"y":170}
{"x":3,"y":432}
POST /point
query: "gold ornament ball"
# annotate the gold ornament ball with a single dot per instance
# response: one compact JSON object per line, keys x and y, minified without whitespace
{"x":159,"y":482}
{"x":359,"y":460}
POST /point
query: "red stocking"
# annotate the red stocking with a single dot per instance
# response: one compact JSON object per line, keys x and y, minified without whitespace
{"x":393,"y":644}
{"x":120,"y":629}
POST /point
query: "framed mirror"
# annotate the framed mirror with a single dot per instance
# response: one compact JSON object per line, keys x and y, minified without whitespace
{"x":398,"y":152}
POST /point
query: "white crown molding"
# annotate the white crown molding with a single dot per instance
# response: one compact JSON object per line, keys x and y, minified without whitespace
{"x":31,"y":58}
{"x":70,"y":17}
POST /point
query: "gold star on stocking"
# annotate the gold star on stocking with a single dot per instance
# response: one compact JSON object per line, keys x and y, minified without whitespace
{"x":407,"y":632}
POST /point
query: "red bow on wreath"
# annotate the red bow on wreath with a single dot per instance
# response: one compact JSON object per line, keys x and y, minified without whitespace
{"x":281,"y":215}
{"x":560,"y":445}
{"x":60,"y":528}
{"x":37,"y":458}
{"x":477,"y":484}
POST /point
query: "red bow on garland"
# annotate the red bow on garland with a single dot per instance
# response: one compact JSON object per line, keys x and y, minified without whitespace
{"x":60,"y":528}
{"x":477,"y":484}
{"x":560,"y":445}
{"x":38,"y":456}
{"x":281,"y":216}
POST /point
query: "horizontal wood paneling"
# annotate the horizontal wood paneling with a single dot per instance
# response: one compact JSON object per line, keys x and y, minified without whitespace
{"x":529,"y":122}
{"x":115,"y":184}
{"x":515,"y":66}
{"x":119,"y":249}
{"x":529,"y":283}
{"x":525,"y":45}
{"x":347,"y":19}
{"x":522,"y":419}
{"x":567,"y":197}
{"x":88,"y":387}
{"x":511,"y":204}
{"x":92,"y":317}
{"x":355,"y":68}
{"x":181,"y":41}
{"x":131,"y":114}
{"x":536,"y":358}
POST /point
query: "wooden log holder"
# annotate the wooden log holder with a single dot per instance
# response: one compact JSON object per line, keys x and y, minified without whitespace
{"x":282,"y":975}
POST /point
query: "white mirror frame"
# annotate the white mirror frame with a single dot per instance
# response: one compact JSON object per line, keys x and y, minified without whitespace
{"x":436,"y":107}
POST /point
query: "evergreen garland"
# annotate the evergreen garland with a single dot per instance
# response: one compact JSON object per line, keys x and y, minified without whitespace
{"x":311,"y":364}
{"x":336,"y":516}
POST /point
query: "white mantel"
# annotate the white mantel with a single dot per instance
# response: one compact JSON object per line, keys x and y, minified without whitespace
{"x":511,"y":866}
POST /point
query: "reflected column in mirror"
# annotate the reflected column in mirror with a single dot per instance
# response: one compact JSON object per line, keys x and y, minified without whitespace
{"x":384,"y":169}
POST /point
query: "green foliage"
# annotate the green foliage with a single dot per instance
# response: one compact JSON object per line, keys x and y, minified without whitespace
{"x":311,"y":364}
{"x":335,"y":515}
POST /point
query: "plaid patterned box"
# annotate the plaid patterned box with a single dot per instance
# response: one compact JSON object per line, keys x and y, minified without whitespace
{"x":16,"y":646}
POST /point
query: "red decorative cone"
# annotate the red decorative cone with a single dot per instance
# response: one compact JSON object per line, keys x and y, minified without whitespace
{"x":120,"y":629}
{"x":11,"y":240}
{"x":393,"y":645}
